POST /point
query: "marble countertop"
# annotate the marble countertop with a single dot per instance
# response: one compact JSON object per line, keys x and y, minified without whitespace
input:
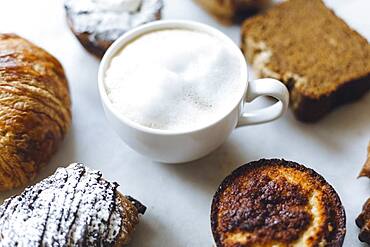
{"x":179,"y":196}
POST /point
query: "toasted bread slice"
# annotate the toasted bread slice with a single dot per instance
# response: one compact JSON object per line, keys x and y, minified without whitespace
{"x":227,"y":11}
{"x":322,"y":61}
{"x":276,"y":203}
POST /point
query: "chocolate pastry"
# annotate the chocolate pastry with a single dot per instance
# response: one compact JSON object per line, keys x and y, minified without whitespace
{"x":35,"y":109}
{"x":73,"y":207}
{"x":365,"y":172}
{"x":276,"y":203}
{"x":98,"y":23}
{"x":363,"y":222}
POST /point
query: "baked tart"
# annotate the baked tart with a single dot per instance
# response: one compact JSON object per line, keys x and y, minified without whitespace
{"x":276,"y":203}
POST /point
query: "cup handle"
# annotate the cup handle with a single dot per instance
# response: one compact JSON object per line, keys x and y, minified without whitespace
{"x":265,"y":87}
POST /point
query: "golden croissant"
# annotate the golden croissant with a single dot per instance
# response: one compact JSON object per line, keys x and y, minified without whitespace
{"x":35,"y":109}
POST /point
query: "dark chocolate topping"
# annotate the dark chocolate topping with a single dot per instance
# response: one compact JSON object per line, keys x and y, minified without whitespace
{"x":272,"y":209}
{"x":73,"y":207}
{"x":138,"y":205}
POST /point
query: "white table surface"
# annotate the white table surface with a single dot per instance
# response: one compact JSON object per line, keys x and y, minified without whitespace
{"x":179,"y":196}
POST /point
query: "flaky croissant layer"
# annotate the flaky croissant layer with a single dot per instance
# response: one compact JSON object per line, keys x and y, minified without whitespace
{"x":35,"y":109}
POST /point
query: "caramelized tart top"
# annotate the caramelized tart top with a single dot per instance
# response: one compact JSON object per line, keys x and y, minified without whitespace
{"x":277,"y":203}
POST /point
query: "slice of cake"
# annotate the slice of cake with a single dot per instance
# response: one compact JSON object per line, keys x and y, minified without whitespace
{"x":276,"y":203}
{"x":322,"y":61}
{"x":227,"y":10}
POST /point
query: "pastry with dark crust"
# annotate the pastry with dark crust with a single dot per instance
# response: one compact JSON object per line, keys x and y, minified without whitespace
{"x":229,"y":10}
{"x":276,"y":203}
{"x":365,"y":172}
{"x":363,"y":222}
{"x":73,"y":207}
{"x":98,"y":23}
{"x":323,"y":61}
{"x":35,"y":109}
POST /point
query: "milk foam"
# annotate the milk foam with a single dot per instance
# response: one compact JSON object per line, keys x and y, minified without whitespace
{"x":174,"y":79}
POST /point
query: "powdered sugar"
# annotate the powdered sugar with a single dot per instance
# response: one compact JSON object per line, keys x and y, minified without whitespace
{"x":109,"y":19}
{"x":75,"y":206}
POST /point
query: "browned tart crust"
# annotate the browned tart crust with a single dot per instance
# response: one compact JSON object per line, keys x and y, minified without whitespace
{"x":97,"y":25}
{"x":229,"y":10}
{"x":365,"y":172}
{"x":322,"y":61}
{"x":363,"y":222}
{"x":276,"y":203}
{"x":35,"y":109}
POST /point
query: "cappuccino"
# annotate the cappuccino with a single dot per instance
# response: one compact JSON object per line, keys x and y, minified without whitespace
{"x":175,"y":79}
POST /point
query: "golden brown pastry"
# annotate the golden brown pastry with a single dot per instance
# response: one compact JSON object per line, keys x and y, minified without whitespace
{"x":365,"y":172}
{"x":276,"y":203}
{"x":229,"y":10}
{"x":75,"y":206}
{"x":363,"y":221}
{"x":35,"y":109}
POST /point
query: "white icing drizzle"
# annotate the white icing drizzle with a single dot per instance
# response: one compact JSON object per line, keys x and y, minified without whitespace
{"x":73,"y":207}
{"x":109,"y":19}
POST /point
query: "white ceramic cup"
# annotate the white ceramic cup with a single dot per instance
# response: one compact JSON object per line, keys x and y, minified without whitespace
{"x":175,"y":146}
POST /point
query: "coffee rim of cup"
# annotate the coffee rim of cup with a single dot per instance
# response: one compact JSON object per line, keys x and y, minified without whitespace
{"x":134,"y":33}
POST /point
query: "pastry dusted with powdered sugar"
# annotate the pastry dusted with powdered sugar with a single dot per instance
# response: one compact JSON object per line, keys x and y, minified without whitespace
{"x":73,"y":207}
{"x":98,"y":23}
